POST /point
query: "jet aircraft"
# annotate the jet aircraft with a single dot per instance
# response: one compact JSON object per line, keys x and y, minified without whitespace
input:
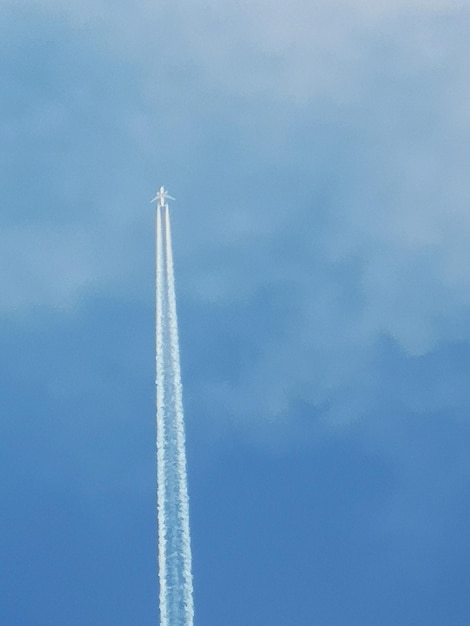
{"x":161,"y":197}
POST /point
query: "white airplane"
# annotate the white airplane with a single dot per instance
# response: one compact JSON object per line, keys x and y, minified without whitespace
{"x":161,"y":197}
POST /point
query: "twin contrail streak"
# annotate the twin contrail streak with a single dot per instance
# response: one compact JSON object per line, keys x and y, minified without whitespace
{"x":174,"y":548}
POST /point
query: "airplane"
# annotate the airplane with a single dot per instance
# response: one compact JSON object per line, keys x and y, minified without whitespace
{"x":161,"y":197}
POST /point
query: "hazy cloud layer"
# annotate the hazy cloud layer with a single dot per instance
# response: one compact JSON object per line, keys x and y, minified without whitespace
{"x":317,"y":153}
{"x":319,"y":157}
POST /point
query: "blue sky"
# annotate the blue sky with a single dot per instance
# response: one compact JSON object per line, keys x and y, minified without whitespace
{"x":319,"y":156}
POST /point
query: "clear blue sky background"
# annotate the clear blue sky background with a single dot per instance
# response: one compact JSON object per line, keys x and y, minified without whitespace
{"x":319,"y":154}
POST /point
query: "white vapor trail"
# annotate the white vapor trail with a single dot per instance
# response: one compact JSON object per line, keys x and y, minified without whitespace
{"x":174,"y":546}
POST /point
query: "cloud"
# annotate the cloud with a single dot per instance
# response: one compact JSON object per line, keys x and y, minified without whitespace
{"x":321,"y":152}
{"x":287,"y":51}
{"x":318,"y":154}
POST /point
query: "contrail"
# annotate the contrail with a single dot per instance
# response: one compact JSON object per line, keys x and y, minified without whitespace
{"x":174,"y":546}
